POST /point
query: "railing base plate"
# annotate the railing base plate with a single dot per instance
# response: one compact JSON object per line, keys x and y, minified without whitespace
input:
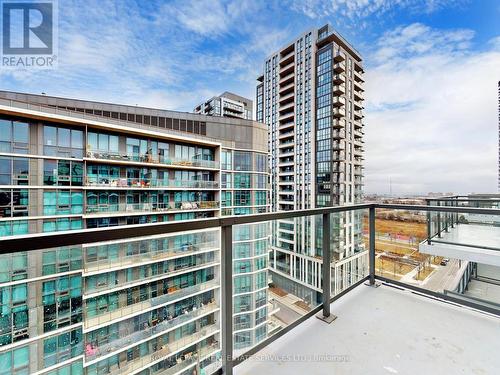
{"x":326,"y":319}
{"x":376,"y":285}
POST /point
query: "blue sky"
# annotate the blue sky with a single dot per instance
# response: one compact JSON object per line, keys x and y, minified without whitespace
{"x":432,"y":68}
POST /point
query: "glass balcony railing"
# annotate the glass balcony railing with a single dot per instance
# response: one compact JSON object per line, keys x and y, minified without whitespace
{"x":165,"y":351}
{"x":137,"y":305}
{"x":276,"y":270}
{"x":146,"y":183}
{"x":148,"y":330}
{"x":153,"y":159}
{"x":98,"y":264}
{"x":150,"y":207}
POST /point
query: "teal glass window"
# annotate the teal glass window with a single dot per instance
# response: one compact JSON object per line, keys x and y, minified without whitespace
{"x":14,"y":136}
{"x":242,"y":198}
{"x":64,"y":142}
{"x":241,"y":180}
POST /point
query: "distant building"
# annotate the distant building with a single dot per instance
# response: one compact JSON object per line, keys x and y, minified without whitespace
{"x":111,"y":307}
{"x":310,"y":96}
{"x":498,"y":135}
{"x":226,"y":105}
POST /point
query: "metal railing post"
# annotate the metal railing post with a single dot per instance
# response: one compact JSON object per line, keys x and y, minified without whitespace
{"x":429,"y":218}
{"x":446,"y":217}
{"x":438,"y":220}
{"x":452,"y":214}
{"x":371,"y":250}
{"x":325,"y":314}
{"x":227,"y":298}
{"x":326,"y":265}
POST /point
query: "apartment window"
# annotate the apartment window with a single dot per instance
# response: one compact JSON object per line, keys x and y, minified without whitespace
{"x":102,"y":222}
{"x":62,"y":224}
{"x":62,"y":142}
{"x":14,"y":228}
{"x":98,"y":201}
{"x":62,"y":302}
{"x":226,"y":180}
{"x":14,"y":318}
{"x":242,"y":284}
{"x":62,"y":202}
{"x":260,"y":163}
{"x":260,"y":316}
{"x":62,"y":173}
{"x":14,"y":171}
{"x":226,"y":199}
{"x":260,"y":198}
{"x":63,"y":259}
{"x":14,"y":203}
{"x":15,"y":361}
{"x":62,"y":347}
{"x":185,"y":152}
{"x":13,"y":267}
{"x":242,"y":198}
{"x":242,"y":161}
{"x":241,"y":180}
{"x":14,"y":136}
{"x":137,"y":148}
{"x":102,"y":143}
{"x":226,"y":160}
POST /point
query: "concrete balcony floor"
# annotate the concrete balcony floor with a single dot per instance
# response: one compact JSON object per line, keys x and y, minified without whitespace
{"x":385,"y":331}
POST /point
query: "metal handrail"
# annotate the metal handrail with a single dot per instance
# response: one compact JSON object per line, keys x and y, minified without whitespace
{"x":68,"y":238}
{"x":76,"y":237}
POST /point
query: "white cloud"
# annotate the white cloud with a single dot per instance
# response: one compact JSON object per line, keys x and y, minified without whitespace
{"x":431,"y":116}
{"x":357,"y":9}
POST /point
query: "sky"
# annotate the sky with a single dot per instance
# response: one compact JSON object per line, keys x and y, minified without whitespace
{"x":432,"y":71}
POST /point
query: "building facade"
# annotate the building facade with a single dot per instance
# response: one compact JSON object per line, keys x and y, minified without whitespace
{"x":141,"y":306}
{"x":226,"y":104}
{"x":311,"y":98}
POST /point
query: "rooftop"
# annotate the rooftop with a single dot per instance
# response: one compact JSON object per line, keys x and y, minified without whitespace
{"x":385,"y":331}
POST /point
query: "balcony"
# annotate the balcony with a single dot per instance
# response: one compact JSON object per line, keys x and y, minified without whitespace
{"x":338,"y":124}
{"x":358,"y":96}
{"x":338,"y":134}
{"x":358,"y":77}
{"x":338,"y":79}
{"x":358,"y":87}
{"x":285,"y":80}
{"x":338,"y":101}
{"x":364,"y":341}
{"x":147,"y":183}
{"x":339,"y":67}
{"x":138,"y":208}
{"x":287,"y":69}
{"x":286,"y":108}
{"x":475,"y":238}
{"x":150,"y":159}
{"x":338,"y":89}
{"x":284,"y":99}
{"x":286,"y":134}
{"x":287,"y":58}
{"x":286,"y":89}
{"x":395,"y":304}
{"x":338,"y":112}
